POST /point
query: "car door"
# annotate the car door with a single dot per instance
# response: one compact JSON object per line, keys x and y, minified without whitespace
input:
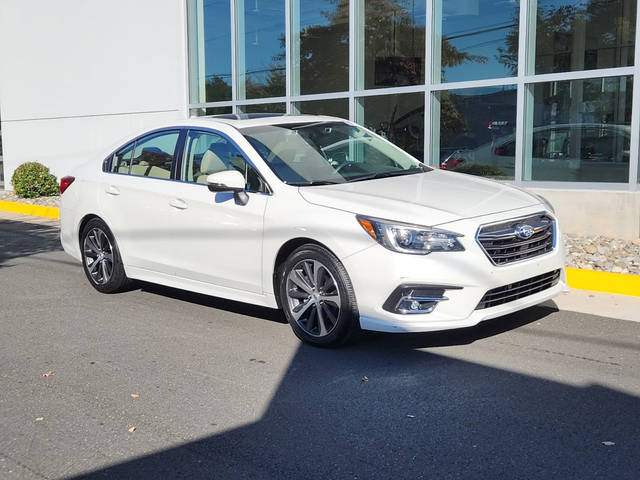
{"x":136,"y":196}
{"x":219,"y":239}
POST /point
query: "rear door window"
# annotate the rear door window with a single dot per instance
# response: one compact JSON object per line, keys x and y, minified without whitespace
{"x":122,"y":159}
{"x":154,"y":155}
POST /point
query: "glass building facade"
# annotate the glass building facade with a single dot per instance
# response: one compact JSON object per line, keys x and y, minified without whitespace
{"x":538,"y":92}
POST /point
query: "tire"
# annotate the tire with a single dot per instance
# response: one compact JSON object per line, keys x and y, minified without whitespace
{"x":317,"y":297}
{"x":101,"y":258}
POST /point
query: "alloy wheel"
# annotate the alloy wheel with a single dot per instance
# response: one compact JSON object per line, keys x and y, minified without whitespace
{"x":313,"y":297}
{"x":98,"y":256}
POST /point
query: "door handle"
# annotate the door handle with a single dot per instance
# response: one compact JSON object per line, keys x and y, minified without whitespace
{"x":112,"y":190}
{"x":179,"y":204}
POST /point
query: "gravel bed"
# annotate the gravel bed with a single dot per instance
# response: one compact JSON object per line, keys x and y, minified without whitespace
{"x":603,"y":254}
{"x":7,"y":196}
{"x":589,"y":253}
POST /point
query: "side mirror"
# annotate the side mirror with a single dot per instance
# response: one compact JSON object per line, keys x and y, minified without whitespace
{"x":229,"y":181}
{"x":226,"y":181}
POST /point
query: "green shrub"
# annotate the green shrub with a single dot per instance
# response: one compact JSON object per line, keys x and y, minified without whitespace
{"x":32,"y":179}
{"x":481,"y":170}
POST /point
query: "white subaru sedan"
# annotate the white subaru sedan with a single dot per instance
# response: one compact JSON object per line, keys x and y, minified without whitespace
{"x":317,"y":216}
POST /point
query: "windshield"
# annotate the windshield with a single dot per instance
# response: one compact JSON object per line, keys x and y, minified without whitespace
{"x":324,"y":153}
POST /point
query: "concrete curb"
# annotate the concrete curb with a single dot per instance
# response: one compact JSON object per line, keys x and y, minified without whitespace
{"x":604,"y":282}
{"x":579,"y":279}
{"x":29,"y":209}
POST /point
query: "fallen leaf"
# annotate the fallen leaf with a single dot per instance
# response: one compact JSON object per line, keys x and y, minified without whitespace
{"x":365,"y":379}
{"x":48,"y":374}
{"x":411,"y":416}
{"x":592,"y":296}
{"x":134,"y":395}
{"x":132,"y":429}
{"x":39,"y":419}
{"x":608,"y":444}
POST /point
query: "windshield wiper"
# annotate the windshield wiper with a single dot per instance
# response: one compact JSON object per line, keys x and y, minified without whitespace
{"x":395,"y":173}
{"x":316,"y":182}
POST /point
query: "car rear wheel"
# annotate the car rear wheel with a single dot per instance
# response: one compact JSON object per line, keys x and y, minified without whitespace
{"x":317,"y":297}
{"x":101,"y":258}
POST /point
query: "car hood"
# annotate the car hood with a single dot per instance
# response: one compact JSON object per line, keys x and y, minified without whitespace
{"x":430,"y":198}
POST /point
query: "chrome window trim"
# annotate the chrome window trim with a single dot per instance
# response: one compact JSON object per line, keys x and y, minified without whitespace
{"x":107,"y":162}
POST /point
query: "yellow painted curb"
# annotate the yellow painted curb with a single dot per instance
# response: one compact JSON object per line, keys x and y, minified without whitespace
{"x":604,"y":282}
{"x":29,"y":209}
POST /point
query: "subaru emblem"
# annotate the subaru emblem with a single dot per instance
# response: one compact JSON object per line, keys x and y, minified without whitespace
{"x":523,"y":231}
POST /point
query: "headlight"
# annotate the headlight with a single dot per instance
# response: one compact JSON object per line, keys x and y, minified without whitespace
{"x":544,"y":201}
{"x":405,"y":238}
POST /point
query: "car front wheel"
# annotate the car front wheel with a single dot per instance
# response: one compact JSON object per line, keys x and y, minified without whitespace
{"x":318,"y":298}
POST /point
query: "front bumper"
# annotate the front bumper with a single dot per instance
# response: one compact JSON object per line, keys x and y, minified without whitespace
{"x":376,"y":272}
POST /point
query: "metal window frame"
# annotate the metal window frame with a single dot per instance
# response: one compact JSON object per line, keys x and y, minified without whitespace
{"x":522,"y":81}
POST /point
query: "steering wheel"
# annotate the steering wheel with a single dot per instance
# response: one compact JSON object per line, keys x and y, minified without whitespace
{"x":349,"y":166}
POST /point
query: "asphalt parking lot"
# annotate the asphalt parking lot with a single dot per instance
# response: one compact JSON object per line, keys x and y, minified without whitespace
{"x":218,"y":389}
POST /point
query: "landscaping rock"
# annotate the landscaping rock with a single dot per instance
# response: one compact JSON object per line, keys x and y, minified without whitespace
{"x":603,"y":254}
{"x":7,"y":196}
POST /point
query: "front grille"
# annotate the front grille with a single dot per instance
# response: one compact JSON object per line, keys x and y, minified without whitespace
{"x":521,"y":289}
{"x":502,"y":244}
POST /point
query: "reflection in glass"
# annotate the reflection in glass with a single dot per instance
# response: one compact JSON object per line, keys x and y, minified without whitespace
{"x":261,"y":49}
{"x":576,"y":35}
{"x":581,"y":131}
{"x":477,"y":130}
{"x":479,"y":39}
{"x":398,"y":118}
{"x":210,"y":50}
{"x":320,"y":46}
{"x":393,"y":43}
{"x":328,"y":152}
{"x":202,"y":112}
{"x":338,"y":107}
{"x":263,"y":108}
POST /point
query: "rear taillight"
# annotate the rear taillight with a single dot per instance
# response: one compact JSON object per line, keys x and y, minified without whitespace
{"x":65,"y":182}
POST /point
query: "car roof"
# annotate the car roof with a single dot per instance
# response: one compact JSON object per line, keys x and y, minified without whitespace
{"x":244,"y":121}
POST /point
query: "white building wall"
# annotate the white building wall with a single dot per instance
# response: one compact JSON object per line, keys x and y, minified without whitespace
{"x":77,"y":75}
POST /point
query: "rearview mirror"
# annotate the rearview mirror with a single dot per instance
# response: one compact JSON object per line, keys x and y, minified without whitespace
{"x":229,"y":181}
{"x":226,"y":181}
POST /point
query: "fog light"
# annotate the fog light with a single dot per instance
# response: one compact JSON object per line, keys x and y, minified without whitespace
{"x":413,"y":299}
{"x":417,"y":304}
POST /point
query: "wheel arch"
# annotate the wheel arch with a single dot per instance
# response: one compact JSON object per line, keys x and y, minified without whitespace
{"x":82,"y":224}
{"x":285,"y":250}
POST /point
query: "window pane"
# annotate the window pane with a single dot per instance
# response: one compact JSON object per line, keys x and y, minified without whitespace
{"x":154,"y":155}
{"x":327,"y":152}
{"x":581,"y":131}
{"x":263,"y":108}
{"x":394,"y":43}
{"x":261,"y":49}
{"x":210,"y":50}
{"x":201,"y":112}
{"x":479,"y":39}
{"x":477,"y":130}
{"x":122,"y":160}
{"x":576,"y":35}
{"x":338,"y":107}
{"x":207,"y":153}
{"x":398,"y":118}
{"x":321,"y":60}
